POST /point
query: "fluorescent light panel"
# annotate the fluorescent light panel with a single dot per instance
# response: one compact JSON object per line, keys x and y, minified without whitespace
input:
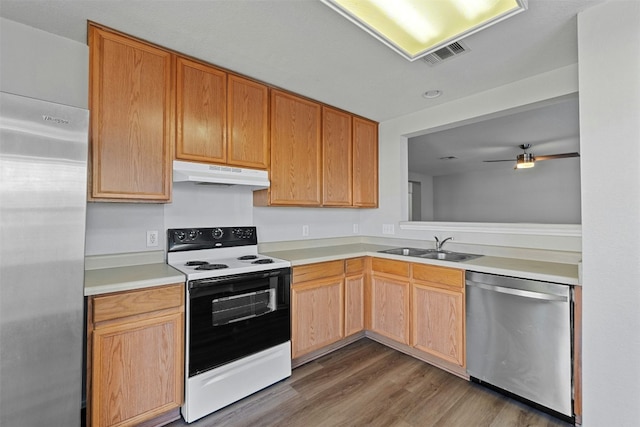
{"x":415,"y":28}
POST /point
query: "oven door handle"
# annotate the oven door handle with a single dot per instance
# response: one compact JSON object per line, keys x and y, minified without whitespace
{"x":239,"y":283}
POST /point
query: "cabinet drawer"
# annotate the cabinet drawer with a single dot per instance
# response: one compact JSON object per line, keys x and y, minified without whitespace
{"x":442,"y":275}
{"x":320,"y":270}
{"x":131,"y":303}
{"x":354,"y":265}
{"x":398,"y":268}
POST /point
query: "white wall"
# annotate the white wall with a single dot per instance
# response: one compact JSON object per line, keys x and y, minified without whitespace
{"x":281,"y":224}
{"x":122,"y":227}
{"x":548,"y":193}
{"x":426,"y":196}
{"x":609,"y":53}
{"x":41,"y":65}
{"x":393,"y":136}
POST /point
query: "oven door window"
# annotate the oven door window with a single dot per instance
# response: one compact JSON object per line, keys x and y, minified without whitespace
{"x":241,"y":307}
{"x":236,"y":318}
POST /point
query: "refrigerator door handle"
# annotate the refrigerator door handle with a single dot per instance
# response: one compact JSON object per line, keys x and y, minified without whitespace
{"x":518,"y":292}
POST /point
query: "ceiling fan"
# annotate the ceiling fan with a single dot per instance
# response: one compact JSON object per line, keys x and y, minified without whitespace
{"x":528,"y":160}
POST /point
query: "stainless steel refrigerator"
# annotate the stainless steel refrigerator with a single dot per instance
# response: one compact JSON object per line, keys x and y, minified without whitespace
{"x":43,"y":175}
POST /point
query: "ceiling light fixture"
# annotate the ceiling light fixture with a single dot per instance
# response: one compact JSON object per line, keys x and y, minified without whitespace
{"x":525,"y":160}
{"x":415,"y":28}
{"x":430,"y":94}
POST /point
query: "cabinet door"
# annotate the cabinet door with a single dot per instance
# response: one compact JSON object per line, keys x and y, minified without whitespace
{"x":337,"y":170}
{"x":317,"y":315}
{"x":438,"y":322}
{"x":137,"y":370}
{"x":365,"y":163}
{"x":353,"y":304}
{"x":295,"y":151}
{"x":131,"y":119}
{"x":248,"y":123}
{"x":201,"y":100}
{"x":390,"y":307}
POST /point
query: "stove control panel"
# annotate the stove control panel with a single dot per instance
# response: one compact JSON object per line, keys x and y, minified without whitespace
{"x":187,"y":239}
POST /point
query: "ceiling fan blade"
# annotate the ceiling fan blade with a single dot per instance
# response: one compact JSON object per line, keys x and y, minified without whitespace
{"x":557,"y":156}
{"x":506,"y":160}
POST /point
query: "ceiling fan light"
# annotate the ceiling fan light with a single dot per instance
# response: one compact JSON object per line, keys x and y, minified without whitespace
{"x":525,"y":165}
{"x":525,"y":160}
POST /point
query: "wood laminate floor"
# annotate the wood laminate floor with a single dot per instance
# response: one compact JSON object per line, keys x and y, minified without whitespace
{"x":368,"y":384}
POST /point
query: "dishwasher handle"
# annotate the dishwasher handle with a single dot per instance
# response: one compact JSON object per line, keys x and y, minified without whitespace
{"x":518,"y":292}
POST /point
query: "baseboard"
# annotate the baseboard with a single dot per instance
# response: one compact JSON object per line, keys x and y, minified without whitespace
{"x":425,"y":357}
{"x":299,"y":361}
{"x":162,"y":420}
{"x":456,"y":370}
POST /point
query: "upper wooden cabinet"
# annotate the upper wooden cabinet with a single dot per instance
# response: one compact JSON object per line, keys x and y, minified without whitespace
{"x":295,"y":152}
{"x":131,"y":119}
{"x":320,"y":156}
{"x":248,"y":123}
{"x":148,"y":103}
{"x":221,"y":118}
{"x":337,"y":163}
{"x":201,"y":113}
{"x":365,"y":163}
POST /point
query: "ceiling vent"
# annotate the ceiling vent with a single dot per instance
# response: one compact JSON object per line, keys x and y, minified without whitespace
{"x":445,"y":53}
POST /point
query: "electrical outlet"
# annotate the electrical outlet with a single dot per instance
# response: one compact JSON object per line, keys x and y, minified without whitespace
{"x":152,"y":238}
{"x":356,"y":229}
{"x":388,"y":229}
{"x":305,"y":230}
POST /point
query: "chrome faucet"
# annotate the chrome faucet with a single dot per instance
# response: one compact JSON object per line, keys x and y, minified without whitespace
{"x":440,"y":243}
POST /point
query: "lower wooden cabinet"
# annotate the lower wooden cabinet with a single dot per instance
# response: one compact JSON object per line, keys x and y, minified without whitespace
{"x":438,"y":312}
{"x":317,"y":308}
{"x":390,"y":314}
{"x":354,"y":288}
{"x":317,"y":305}
{"x":419,"y":306}
{"x":135,"y":357}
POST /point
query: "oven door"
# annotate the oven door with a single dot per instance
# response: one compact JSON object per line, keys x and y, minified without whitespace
{"x":235,"y":316}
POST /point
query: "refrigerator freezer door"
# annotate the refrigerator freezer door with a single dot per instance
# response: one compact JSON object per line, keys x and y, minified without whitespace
{"x":43,"y":175}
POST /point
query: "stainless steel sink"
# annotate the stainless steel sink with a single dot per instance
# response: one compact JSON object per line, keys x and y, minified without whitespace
{"x":449,"y":256}
{"x":405,"y":251}
{"x":431,"y":254}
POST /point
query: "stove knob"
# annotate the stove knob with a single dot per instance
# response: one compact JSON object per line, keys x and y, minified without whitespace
{"x":217,"y":233}
{"x":193,"y":234}
{"x":180,"y":235}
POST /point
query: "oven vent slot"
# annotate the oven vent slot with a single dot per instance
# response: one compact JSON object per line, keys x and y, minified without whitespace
{"x":240,"y":307}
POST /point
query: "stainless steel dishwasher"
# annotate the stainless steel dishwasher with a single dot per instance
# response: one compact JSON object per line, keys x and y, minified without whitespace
{"x":519,"y":337}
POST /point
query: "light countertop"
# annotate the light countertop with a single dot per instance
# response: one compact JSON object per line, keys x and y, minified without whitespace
{"x":125,"y":272}
{"x":529,"y":269}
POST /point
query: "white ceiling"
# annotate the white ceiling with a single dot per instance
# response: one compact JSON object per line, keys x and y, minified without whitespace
{"x":305,"y":47}
{"x":551,"y":127}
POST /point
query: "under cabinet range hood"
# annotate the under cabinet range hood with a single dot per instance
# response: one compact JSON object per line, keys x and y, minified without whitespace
{"x":216,"y":174}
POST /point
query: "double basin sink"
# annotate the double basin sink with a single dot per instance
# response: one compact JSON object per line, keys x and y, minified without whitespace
{"x":431,"y":254}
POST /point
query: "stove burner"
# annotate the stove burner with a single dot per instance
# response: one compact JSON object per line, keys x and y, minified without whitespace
{"x":263,"y":261}
{"x":192,"y":263}
{"x":247,"y":257}
{"x":207,"y":266}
